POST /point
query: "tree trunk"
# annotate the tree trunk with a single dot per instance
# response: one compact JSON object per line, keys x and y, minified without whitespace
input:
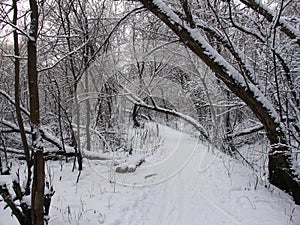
{"x":37,"y":196}
{"x":87,"y":55}
{"x":281,"y":173}
{"x":17,"y":101}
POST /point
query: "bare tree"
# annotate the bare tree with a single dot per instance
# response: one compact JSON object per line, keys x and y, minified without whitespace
{"x":34,"y":212}
{"x":38,"y":183}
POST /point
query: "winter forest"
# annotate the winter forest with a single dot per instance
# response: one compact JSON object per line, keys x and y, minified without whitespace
{"x":131,"y":112}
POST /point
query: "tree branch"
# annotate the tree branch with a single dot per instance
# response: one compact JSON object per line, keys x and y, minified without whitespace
{"x":286,"y":28}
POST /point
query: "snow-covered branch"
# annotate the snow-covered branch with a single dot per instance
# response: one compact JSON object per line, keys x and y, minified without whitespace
{"x":139,"y":102}
{"x":247,"y":131}
{"x":44,"y":134}
{"x":12,"y":101}
{"x":288,"y":29}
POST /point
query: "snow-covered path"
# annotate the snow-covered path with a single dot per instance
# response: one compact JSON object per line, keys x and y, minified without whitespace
{"x":182,"y":200}
{"x":193,"y":186}
{"x":177,"y":191}
{"x":209,"y":195}
{"x":186,"y":184}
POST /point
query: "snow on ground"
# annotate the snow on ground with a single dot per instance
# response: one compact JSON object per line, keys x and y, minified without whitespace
{"x":182,"y":183}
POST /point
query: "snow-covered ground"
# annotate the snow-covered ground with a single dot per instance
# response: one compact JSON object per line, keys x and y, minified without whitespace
{"x":182,"y":183}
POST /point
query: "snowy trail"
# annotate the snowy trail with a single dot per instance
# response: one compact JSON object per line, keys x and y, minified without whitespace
{"x":185,"y":185}
{"x":193,"y":186}
{"x":180,"y":149}
{"x":182,"y":200}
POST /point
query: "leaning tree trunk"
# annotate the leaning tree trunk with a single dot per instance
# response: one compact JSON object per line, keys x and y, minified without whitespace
{"x":281,"y":173}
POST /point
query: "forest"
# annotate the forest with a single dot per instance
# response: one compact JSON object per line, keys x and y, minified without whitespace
{"x":113,"y":86}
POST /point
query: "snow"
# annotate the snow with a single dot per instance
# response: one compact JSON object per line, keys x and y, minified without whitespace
{"x":27,"y":200}
{"x":5,"y":179}
{"x":6,"y":217}
{"x":96,"y":155}
{"x":186,"y":184}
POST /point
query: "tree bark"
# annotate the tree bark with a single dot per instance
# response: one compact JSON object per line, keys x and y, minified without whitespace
{"x":37,"y":196}
{"x":17,"y":100}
